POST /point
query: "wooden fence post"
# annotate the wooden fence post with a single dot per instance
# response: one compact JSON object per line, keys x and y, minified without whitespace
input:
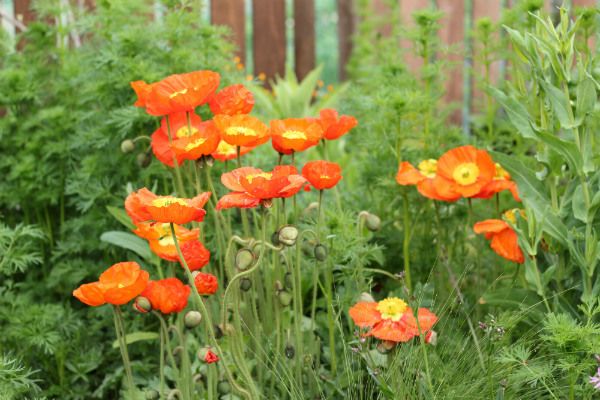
{"x":346,"y":27}
{"x":268,"y":19}
{"x":304,"y":37}
{"x":233,"y":14}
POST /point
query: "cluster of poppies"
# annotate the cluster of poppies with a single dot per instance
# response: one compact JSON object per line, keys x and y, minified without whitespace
{"x":467,"y":172}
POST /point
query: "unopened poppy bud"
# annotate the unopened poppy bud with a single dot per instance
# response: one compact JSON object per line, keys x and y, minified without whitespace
{"x":200,"y":162}
{"x":127,"y":146}
{"x":431,"y":338}
{"x":385,"y":346}
{"x":366,"y":297}
{"x":226,"y":329}
{"x":245,"y":284}
{"x":289,"y":280}
{"x":244,"y":259}
{"x":320,"y":252}
{"x":152,"y":394}
{"x":192,"y":319}
{"x":290,"y":351}
{"x":288,"y":235}
{"x":285,"y":298}
{"x":209,"y":160}
{"x":223,"y":387}
{"x":142,"y":304}
{"x":177,"y":351}
{"x":198,"y":378}
{"x":266,"y":203}
{"x":372,"y":222}
{"x":143,"y":160}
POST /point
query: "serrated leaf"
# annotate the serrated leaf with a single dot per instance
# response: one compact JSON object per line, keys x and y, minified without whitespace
{"x":136,"y":337}
{"x":128,"y":241}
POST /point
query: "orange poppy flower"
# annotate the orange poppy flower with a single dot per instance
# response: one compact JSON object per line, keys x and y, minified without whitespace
{"x":226,"y":151}
{"x":117,"y":285}
{"x":195,"y":254}
{"x":391,"y":319}
{"x":142,"y":90}
{"x":160,"y":238}
{"x":500,"y":182}
{"x":180,"y":92}
{"x":144,"y":205}
{"x":206,"y":284}
{"x":465,"y":170}
{"x":201,"y":143}
{"x":231,"y":100}
{"x":242,"y":130}
{"x":295,"y":134}
{"x":167,"y":295}
{"x":504,"y":240}
{"x":322,"y":174}
{"x":423,"y":178}
{"x":334,"y":126}
{"x":251,"y":186}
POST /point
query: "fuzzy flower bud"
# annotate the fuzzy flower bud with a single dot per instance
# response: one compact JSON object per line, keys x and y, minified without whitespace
{"x":320,"y":252}
{"x":142,"y":304}
{"x":192,"y":319}
{"x":287,"y":235}
{"x":127,"y":146}
{"x":244,"y":259}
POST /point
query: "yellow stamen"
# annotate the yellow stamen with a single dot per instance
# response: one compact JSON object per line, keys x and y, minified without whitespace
{"x":175,"y":94}
{"x":167,"y":201}
{"x":466,"y":174}
{"x":325,"y":177}
{"x":392,"y":308}
{"x":501,"y":173}
{"x":292,"y":134}
{"x":196,"y":143}
{"x":184,"y":131}
{"x":428,"y":168}
{"x":240,"y":131}
{"x":266,"y":175}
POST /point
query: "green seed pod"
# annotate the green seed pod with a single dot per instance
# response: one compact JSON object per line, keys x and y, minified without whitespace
{"x":245,"y":284}
{"x":143,"y":160}
{"x":223,"y":387}
{"x":289,"y":280}
{"x":142,"y":304}
{"x":152,"y":394}
{"x":320,"y":252}
{"x":372,"y":222}
{"x":290,"y":351}
{"x":288,"y":234}
{"x":127,"y":146}
{"x":285,"y":298}
{"x":201,"y":353}
{"x":192,"y":319}
{"x":244,"y":259}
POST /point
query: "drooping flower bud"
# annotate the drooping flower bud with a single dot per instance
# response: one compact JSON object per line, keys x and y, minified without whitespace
{"x":431,"y":338}
{"x":245,"y":284}
{"x":174,"y":394}
{"x":143,"y":160}
{"x":320,"y":252}
{"x":127,"y":146}
{"x":372,"y":222}
{"x":244,"y":259}
{"x":223,"y":387}
{"x":142,"y":304}
{"x":366,"y":297}
{"x":192,"y":319}
{"x":385,"y":346}
{"x":285,"y":298}
{"x":287,"y":235}
{"x":289,"y":280}
{"x":290,"y":351}
{"x":152,"y":394}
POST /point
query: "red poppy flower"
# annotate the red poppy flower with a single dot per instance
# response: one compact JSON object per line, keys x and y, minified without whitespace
{"x":242,"y":130}
{"x":322,"y":174}
{"x":226,"y":151}
{"x":391,"y":319}
{"x":295,"y":134}
{"x":465,"y":170}
{"x":167,"y":295}
{"x":231,"y":100}
{"x":334,"y":126}
{"x":144,"y":205}
{"x":195,"y":254}
{"x":423,"y":178}
{"x":180,"y":92}
{"x":210,"y":357}
{"x":251,"y":185}
{"x":504,"y":240}
{"x":161,"y":241}
{"x":206,"y":284}
{"x":500,"y":182}
{"x":117,"y":285}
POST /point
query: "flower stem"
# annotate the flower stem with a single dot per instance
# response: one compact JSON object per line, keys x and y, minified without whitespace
{"x":180,"y":187}
{"x":120,"y":330}
{"x":406,"y":244}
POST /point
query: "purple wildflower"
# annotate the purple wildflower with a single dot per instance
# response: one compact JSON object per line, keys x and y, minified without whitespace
{"x":595,"y":380}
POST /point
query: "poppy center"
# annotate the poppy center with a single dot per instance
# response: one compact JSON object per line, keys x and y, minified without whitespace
{"x":292,"y":134}
{"x":466,"y":174}
{"x":501,"y":173}
{"x":265,"y":175}
{"x":225,"y":148}
{"x":167,"y":201}
{"x":177,"y":93}
{"x":195,"y":144}
{"x":511,"y":215}
{"x":325,"y":177}
{"x":428,"y":168}
{"x":185,"y":131}
{"x":392,"y":308}
{"x":166,"y":241}
{"x":240,"y":131}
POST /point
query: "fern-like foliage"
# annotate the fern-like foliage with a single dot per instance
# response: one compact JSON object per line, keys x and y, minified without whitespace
{"x":16,"y":380}
{"x":19,"y":248}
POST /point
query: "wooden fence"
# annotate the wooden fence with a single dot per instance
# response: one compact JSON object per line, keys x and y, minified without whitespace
{"x":269,"y":43}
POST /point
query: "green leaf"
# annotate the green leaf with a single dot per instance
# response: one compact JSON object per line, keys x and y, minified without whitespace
{"x":514,"y":298}
{"x":128,"y":241}
{"x":586,"y":97}
{"x":560,"y":105}
{"x":121,"y":216}
{"x":568,"y":150}
{"x":578,"y":203}
{"x":517,"y":113}
{"x":136,"y":337}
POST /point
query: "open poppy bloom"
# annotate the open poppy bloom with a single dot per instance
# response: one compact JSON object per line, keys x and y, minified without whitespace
{"x":231,"y":100}
{"x":117,"y":285}
{"x":504,"y":240}
{"x":144,"y":205}
{"x":202,"y":142}
{"x":465,"y":170}
{"x":167,"y":295}
{"x":226,"y":151}
{"x":295,"y":134}
{"x":195,"y":254}
{"x":176,"y":93}
{"x":251,"y":186}
{"x":391,"y":319}
{"x":322,"y":174}
{"x":241,"y":130}
{"x":335,"y":126}
{"x":500,"y":182}
{"x":423,"y":178}
{"x":183,"y":128}
{"x":161,"y":241}
{"x":206,"y":284}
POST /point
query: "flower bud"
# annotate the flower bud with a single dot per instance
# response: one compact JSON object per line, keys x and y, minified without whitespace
{"x":266,"y":203}
{"x":152,"y":394}
{"x":142,"y":304}
{"x":127,"y":146}
{"x":245,"y":284}
{"x":372,"y":222}
{"x":290,"y":351}
{"x":244,"y":259}
{"x":223,"y":387}
{"x":320,"y":252}
{"x":289,"y":280}
{"x":143,"y":160}
{"x":366,"y":297}
{"x":198,"y":378}
{"x":285,"y":298}
{"x":431,"y":338}
{"x":287,"y":235}
{"x":192,"y":319}
{"x":385,"y":346}
{"x":209,"y":160}
{"x":177,"y":352}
